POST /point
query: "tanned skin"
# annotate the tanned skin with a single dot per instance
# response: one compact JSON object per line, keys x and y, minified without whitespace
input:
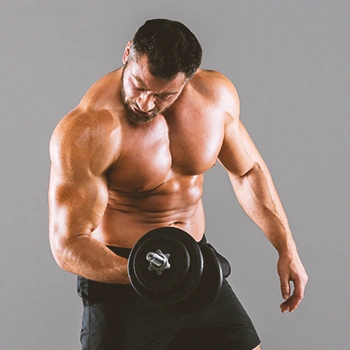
{"x":113,"y":180}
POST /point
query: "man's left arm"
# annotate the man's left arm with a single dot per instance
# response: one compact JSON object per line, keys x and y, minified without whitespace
{"x":256,"y":193}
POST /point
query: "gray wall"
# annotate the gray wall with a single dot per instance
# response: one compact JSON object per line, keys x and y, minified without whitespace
{"x":290,"y":63}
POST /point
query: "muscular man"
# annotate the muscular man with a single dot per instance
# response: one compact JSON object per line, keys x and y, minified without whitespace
{"x":130,"y":158}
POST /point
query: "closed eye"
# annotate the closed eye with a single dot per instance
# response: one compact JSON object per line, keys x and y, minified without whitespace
{"x":162,"y":97}
{"x":138,"y":88}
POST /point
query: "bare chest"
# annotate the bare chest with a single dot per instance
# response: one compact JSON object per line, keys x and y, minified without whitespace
{"x":163,"y":150}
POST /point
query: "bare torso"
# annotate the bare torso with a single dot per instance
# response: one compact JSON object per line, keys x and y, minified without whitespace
{"x":158,"y":174}
{"x":112,"y":181}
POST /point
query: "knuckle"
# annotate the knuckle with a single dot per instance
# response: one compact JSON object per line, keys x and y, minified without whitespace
{"x":298,"y":296}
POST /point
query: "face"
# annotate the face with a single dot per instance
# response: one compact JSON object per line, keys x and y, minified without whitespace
{"x":144,"y":95}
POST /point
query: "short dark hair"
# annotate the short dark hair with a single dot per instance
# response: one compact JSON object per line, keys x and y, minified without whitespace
{"x":170,"y":47}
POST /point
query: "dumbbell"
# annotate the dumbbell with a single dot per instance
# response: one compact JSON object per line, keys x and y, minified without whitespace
{"x":168,"y":267}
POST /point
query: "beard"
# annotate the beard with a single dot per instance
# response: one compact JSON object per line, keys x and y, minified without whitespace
{"x":132,"y":116}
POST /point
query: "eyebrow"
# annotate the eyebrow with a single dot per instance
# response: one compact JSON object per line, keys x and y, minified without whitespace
{"x":143,"y":85}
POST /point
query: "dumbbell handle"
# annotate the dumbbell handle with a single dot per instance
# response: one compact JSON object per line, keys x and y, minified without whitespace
{"x":158,"y":261}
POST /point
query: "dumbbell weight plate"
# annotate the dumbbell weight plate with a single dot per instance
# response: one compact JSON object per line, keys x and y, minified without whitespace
{"x":208,"y":289}
{"x":175,"y":283}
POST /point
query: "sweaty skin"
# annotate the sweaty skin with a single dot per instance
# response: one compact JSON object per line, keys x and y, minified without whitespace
{"x":112,"y":180}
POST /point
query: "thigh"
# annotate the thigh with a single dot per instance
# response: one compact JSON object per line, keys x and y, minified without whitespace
{"x":120,"y":319}
{"x":225,"y":325}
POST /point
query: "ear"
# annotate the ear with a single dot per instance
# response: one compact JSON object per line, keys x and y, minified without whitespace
{"x":127,"y":52}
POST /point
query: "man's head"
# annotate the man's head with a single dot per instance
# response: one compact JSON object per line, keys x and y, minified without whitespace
{"x":158,"y":62}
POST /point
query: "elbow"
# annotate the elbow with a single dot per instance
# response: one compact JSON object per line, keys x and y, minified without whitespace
{"x":59,"y":250}
{"x":255,"y":166}
{"x":253,"y":174}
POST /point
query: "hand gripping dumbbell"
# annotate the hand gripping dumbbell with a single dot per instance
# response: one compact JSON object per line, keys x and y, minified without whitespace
{"x":168,"y":267}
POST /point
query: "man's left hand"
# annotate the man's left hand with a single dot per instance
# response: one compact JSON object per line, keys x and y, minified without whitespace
{"x":291,"y":269}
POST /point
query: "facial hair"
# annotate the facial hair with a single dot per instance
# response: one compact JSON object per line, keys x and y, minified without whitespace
{"x":132,"y":116}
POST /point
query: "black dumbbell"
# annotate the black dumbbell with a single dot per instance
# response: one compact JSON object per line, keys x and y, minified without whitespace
{"x":168,"y":267}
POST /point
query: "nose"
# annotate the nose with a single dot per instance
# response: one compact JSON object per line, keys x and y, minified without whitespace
{"x":145,"y":102}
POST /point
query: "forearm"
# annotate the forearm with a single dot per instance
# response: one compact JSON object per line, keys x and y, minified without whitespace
{"x":258,"y":197}
{"x":85,"y":256}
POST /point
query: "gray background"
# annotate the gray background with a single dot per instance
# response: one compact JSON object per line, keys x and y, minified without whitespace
{"x":290,"y":63}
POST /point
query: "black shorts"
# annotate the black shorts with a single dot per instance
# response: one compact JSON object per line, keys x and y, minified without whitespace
{"x":115,"y":317}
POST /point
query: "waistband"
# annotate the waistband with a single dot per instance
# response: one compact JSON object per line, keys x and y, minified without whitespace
{"x":125,"y":252}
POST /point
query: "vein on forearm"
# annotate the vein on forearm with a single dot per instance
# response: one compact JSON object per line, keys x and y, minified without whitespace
{"x":259,"y":199}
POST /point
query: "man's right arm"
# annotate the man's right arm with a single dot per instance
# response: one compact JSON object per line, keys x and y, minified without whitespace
{"x":82,"y":148}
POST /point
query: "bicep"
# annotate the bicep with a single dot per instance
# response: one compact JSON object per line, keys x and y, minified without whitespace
{"x":76,"y":206}
{"x":238,"y":153}
{"x":78,"y":191}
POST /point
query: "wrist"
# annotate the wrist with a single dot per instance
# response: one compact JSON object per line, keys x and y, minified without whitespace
{"x":287,"y":249}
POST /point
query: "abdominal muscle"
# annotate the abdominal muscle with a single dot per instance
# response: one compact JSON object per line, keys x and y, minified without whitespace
{"x":175,"y":203}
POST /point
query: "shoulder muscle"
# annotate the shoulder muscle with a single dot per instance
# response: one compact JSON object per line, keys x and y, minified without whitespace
{"x":84,"y":141}
{"x":218,"y":89}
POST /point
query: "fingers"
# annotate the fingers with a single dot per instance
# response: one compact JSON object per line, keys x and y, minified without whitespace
{"x":292,"y":302}
{"x":291,"y":269}
{"x":285,"y":288}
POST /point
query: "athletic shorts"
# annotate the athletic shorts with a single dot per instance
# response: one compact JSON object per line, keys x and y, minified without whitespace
{"x":115,"y":317}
